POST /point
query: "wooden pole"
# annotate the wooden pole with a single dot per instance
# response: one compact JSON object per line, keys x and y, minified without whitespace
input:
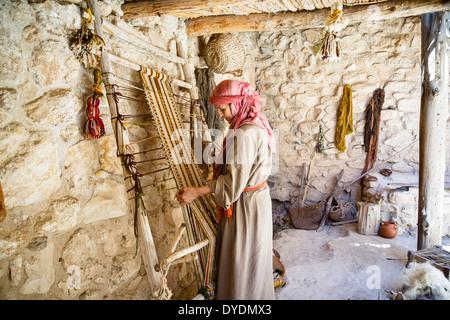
{"x":176,"y":255}
{"x":176,"y":8}
{"x":136,"y":67}
{"x":146,"y":244}
{"x":329,"y":199}
{"x":138,"y":42}
{"x":309,"y":19}
{"x":306,"y":185}
{"x":432,"y":135}
{"x":188,"y":69}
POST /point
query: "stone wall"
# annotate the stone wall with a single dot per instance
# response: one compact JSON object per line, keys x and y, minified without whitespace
{"x":301,"y":92}
{"x":69,"y":233}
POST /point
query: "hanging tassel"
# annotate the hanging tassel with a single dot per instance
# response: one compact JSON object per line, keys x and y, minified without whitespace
{"x":94,"y":127}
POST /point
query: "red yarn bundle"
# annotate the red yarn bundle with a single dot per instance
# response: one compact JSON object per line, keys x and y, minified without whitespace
{"x":94,"y":127}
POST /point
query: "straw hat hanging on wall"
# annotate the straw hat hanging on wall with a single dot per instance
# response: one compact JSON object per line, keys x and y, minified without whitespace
{"x":224,"y":53}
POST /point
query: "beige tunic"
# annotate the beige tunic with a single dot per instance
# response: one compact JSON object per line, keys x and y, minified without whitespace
{"x":244,"y":244}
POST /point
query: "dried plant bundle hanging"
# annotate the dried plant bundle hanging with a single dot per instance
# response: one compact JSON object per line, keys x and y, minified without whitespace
{"x":87,"y":46}
{"x":329,"y":49}
{"x":88,"y":49}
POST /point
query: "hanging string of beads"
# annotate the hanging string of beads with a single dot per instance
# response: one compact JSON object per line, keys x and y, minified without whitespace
{"x":87,"y":46}
{"x":329,"y":49}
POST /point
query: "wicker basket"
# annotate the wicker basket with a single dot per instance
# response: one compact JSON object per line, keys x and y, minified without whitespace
{"x":308,"y":217}
{"x":224,"y":53}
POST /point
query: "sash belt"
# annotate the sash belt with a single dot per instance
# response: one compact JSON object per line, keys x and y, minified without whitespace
{"x":229,"y":212}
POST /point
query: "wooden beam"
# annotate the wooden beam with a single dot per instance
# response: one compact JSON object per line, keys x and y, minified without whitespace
{"x":309,"y":19}
{"x":146,"y":243}
{"x":118,"y":32}
{"x":139,"y":9}
{"x":433,"y":121}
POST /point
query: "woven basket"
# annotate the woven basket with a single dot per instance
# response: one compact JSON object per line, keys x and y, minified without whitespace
{"x":308,"y":217}
{"x":225,"y":53}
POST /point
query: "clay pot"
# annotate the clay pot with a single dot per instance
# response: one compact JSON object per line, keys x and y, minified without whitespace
{"x":388,"y":229}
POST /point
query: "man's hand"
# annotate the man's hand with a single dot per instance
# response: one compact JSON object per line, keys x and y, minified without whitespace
{"x":188,"y":194}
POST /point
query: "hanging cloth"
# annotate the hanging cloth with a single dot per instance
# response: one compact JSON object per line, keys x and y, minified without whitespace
{"x":344,"y":124}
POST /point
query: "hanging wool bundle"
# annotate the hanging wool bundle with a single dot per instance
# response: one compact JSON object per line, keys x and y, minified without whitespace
{"x":94,"y":128}
{"x":372,"y":128}
{"x":87,"y":46}
{"x":344,"y":124}
{"x":329,"y":48}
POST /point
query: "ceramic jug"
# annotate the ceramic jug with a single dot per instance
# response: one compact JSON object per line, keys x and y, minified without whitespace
{"x":388,"y":229}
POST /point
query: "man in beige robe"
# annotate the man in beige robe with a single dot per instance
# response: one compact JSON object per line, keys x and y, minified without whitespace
{"x":244,"y":239}
{"x":244,"y":244}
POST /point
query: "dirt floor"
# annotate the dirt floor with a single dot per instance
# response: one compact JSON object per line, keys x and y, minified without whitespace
{"x":338,"y":263}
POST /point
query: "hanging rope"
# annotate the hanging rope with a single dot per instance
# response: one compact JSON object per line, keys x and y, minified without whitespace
{"x":164,"y":293}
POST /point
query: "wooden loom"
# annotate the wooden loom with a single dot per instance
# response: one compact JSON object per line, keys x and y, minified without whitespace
{"x":155,"y":270}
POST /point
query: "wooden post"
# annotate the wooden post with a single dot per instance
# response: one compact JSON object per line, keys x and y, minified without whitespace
{"x":433,"y":120}
{"x":146,"y":243}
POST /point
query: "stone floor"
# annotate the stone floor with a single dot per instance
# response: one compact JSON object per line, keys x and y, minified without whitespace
{"x":338,"y":263}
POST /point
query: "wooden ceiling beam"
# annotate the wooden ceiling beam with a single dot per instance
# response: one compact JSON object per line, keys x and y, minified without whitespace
{"x":139,"y":9}
{"x":310,"y":19}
